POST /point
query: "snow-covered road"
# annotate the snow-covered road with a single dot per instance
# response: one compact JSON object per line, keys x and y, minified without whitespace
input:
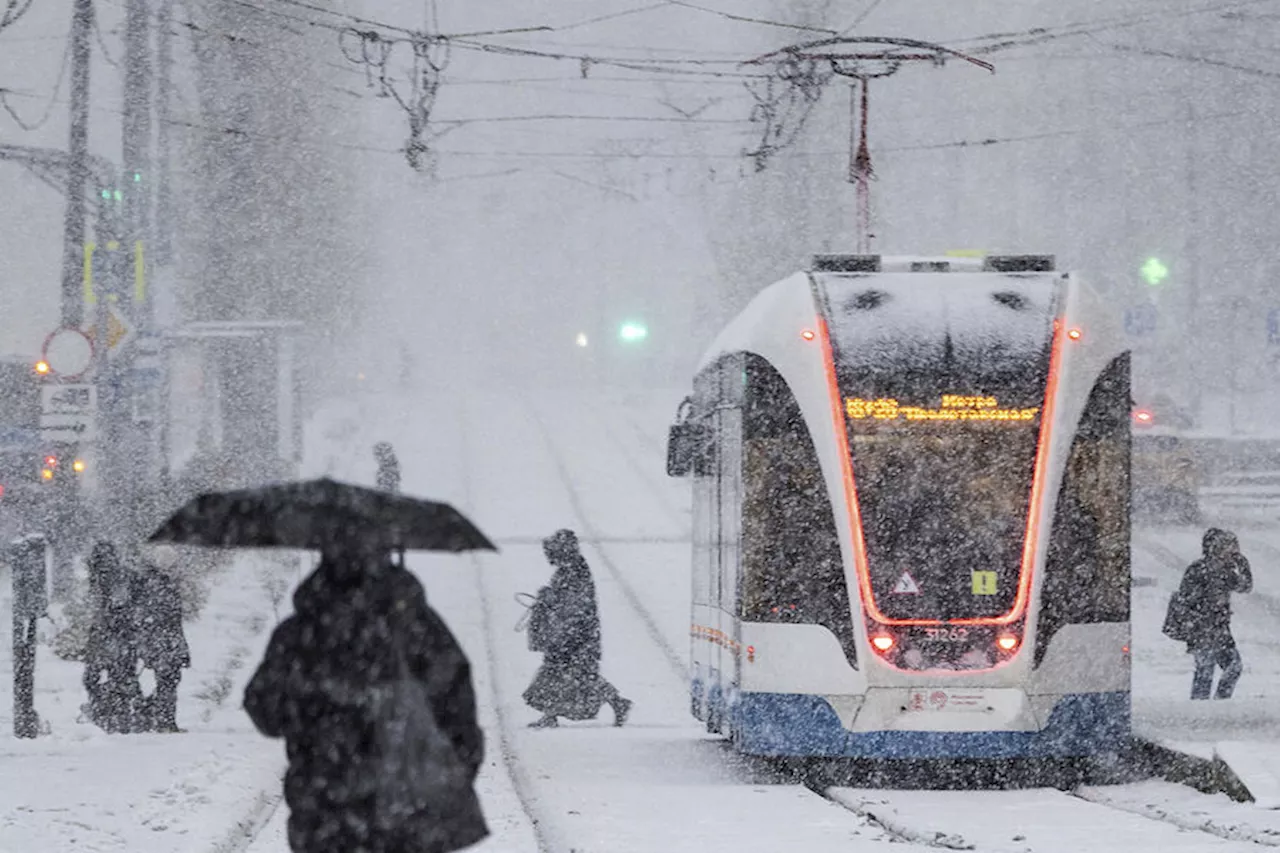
{"x":522,"y":467}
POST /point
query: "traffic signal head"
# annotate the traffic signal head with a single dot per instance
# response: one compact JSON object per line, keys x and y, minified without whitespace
{"x":1154,"y":272}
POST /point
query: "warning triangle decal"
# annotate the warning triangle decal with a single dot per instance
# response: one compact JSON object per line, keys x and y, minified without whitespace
{"x":906,"y":585}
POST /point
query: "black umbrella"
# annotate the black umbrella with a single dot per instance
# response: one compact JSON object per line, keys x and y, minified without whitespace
{"x":320,"y":515}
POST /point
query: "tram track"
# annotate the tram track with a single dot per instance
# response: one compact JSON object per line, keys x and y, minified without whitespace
{"x":672,"y":512}
{"x":516,"y":772}
{"x":1099,"y":796}
{"x":576,"y":504}
{"x":773,"y":772}
{"x":861,"y":803}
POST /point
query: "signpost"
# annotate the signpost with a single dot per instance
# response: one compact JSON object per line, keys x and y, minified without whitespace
{"x":120,"y":331}
{"x":30,"y":602}
{"x":68,"y":352}
{"x":67,"y":412}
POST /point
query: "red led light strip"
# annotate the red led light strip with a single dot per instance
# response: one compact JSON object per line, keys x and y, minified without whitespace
{"x":1031,"y":538}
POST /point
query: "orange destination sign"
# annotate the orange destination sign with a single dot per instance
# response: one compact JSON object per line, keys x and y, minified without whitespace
{"x":954,"y":407}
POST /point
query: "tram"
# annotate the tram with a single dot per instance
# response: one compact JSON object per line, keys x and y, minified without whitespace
{"x":911,"y":514}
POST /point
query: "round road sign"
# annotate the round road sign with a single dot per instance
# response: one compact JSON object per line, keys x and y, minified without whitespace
{"x":68,"y":351}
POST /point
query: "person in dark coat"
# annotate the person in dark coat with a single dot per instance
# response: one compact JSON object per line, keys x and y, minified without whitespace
{"x":569,"y":684}
{"x":388,"y":478}
{"x":339,"y":648}
{"x":162,"y":643}
{"x":1200,"y":612}
{"x":111,"y":655}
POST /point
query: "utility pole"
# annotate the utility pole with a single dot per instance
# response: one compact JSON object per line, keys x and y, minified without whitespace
{"x":164,"y":224}
{"x":128,"y":436}
{"x":163,"y":254}
{"x":73,"y":239}
{"x":136,"y":144}
{"x":1191,"y":253}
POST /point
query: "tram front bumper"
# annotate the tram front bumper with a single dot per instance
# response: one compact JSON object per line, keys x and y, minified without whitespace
{"x":778,"y":724}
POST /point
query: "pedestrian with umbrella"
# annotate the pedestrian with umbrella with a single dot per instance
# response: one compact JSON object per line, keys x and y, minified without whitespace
{"x":364,"y":682}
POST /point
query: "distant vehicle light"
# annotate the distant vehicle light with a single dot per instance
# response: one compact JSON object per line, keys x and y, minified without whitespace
{"x":46,"y":474}
{"x":1144,"y":417}
{"x":883,"y":643}
{"x":633,"y":332}
{"x":42,"y":367}
{"x":1007,"y":643}
{"x":1075,"y":334}
{"x":51,"y":462}
{"x":808,"y":334}
{"x":581,"y":340}
{"x":78,"y":466}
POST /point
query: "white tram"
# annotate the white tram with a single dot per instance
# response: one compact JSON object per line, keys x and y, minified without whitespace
{"x":911,"y":514}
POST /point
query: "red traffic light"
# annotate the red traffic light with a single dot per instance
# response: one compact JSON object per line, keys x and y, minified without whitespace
{"x":51,"y":462}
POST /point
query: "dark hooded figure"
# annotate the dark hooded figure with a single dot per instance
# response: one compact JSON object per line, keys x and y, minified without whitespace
{"x":388,"y":467}
{"x":162,"y":643}
{"x":340,"y":682}
{"x":1200,"y":612}
{"x":566,"y":621}
{"x":111,"y":654}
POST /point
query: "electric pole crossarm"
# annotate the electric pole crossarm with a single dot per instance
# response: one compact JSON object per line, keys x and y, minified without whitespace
{"x":815,"y":50}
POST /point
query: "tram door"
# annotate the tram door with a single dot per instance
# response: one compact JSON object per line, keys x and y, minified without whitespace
{"x":728,"y":499}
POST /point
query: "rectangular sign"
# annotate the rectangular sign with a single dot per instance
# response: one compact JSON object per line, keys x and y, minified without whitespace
{"x":67,"y":412}
{"x":962,"y":700}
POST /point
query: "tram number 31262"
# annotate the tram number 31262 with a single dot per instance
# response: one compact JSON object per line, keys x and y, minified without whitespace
{"x":947,"y":635}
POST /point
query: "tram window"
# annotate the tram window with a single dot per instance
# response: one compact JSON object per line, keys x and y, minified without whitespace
{"x":942,"y":403}
{"x":1087,"y":568}
{"x":792,"y":566}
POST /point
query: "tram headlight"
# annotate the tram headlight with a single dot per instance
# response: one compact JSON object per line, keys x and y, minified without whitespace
{"x":1007,"y":642}
{"x":882,"y":642}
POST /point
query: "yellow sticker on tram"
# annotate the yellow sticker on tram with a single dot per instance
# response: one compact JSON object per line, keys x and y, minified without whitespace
{"x":984,"y":583}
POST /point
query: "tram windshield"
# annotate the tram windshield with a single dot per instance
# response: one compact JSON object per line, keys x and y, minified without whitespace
{"x":942,"y":378}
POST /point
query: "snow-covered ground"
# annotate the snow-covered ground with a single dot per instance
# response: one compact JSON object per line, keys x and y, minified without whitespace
{"x":76,"y":788}
{"x":522,"y":467}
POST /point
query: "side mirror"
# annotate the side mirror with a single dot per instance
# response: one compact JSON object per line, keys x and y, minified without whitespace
{"x":689,"y":450}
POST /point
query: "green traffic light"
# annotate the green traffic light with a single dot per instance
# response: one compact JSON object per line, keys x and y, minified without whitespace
{"x":1154,"y":271}
{"x":137,"y":177}
{"x":632,"y":332}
